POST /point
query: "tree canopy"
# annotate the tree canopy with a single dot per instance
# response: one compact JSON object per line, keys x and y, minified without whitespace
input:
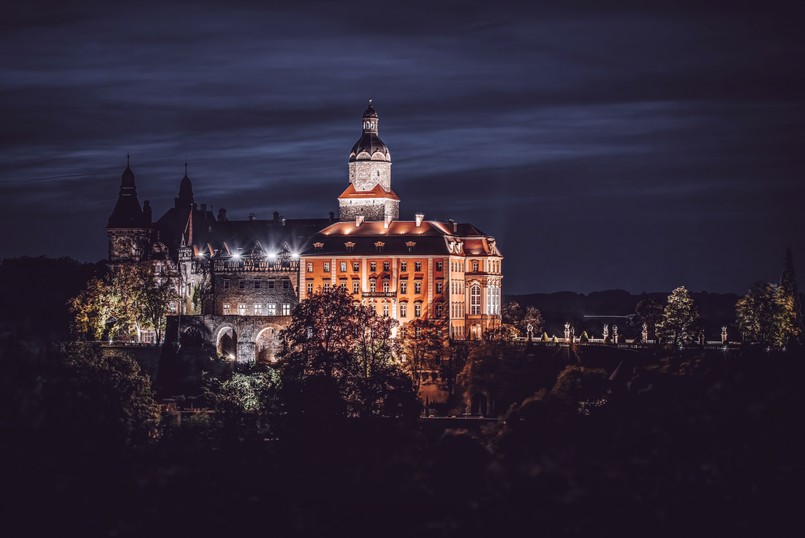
{"x":766,"y":315}
{"x":680,"y":317}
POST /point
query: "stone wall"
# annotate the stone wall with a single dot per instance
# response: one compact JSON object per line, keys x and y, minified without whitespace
{"x":366,"y":174}
{"x":256,"y":291}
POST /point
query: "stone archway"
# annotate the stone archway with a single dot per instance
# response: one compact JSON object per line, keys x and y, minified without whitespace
{"x":226,"y":343}
{"x":267,"y":345}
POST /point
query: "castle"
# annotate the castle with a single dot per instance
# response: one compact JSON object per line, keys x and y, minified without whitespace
{"x":238,"y":281}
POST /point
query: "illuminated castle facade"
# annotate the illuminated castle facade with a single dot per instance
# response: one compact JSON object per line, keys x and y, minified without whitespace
{"x":238,"y":281}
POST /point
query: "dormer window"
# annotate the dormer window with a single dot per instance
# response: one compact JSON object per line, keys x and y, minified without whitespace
{"x":410,"y":245}
{"x":318,"y":246}
{"x":350,"y":246}
{"x":379,"y":246}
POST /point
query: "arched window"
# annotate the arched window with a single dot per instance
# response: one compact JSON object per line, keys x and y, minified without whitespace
{"x":475,"y":300}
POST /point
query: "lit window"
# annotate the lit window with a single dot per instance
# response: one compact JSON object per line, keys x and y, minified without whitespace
{"x":386,"y":285}
{"x":385,"y":310}
{"x":258,"y":310}
{"x":418,"y":286}
{"x":286,"y":309}
{"x":241,"y":309}
{"x":356,"y":287}
{"x":418,"y":310}
{"x":343,"y":267}
{"x":474,"y":266}
{"x":372,"y":285}
{"x":403,"y":310}
{"x":475,"y":300}
{"x":272,"y":309}
{"x":227,"y":308}
{"x":403,"y":286}
{"x":326,"y":267}
{"x":356,"y":266}
{"x":386,"y":266}
{"x":403,"y":266}
{"x":417,"y":266}
{"x":439,"y":265}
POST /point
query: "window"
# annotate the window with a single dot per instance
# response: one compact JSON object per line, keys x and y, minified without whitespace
{"x":439,"y":265}
{"x":403,"y":310}
{"x":417,"y":266}
{"x":343,"y":267}
{"x":326,"y":287}
{"x":309,"y":267}
{"x":403,"y":286}
{"x":286,"y":309}
{"x":418,"y":286}
{"x":242,"y":284}
{"x":372,"y":285}
{"x":241,"y":309}
{"x":258,"y":310}
{"x":386,"y":266}
{"x":356,"y":266}
{"x":439,"y":286}
{"x":385,"y":310}
{"x":403,"y":266}
{"x":417,"y":331}
{"x":318,"y":246}
{"x":310,"y":288}
{"x":286,"y":284}
{"x":272,"y":309}
{"x":257,"y":284}
{"x":227,"y":308}
{"x":226,"y":283}
{"x":326,"y":267}
{"x":271,"y":284}
{"x":418,"y":310}
{"x":350,"y":246}
{"x":410,"y":245}
{"x":379,"y":246}
{"x":474,"y":266}
{"x":356,"y":286}
{"x":438,"y":310}
{"x":344,"y":286}
{"x":493,"y":300}
{"x":386,"y":285}
{"x":373,"y":267}
{"x":475,"y":300}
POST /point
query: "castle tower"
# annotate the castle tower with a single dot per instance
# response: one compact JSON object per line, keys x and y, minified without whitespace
{"x":369,"y":195}
{"x":129,"y":227}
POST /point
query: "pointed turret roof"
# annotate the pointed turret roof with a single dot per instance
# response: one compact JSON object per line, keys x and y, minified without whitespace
{"x":127,"y":212}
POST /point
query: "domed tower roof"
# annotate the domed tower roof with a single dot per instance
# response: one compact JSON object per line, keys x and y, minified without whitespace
{"x":185,"y":198}
{"x":369,"y":147}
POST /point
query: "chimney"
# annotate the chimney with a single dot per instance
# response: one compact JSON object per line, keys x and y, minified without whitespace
{"x":221,"y":215}
{"x":358,"y":220}
{"x":419,"y":218}
{"x":276,"y":216}
{"x":147,"y":211}
{"x":252,"y":216}
{"x":332,"y":216}
{"x":387,"y":221}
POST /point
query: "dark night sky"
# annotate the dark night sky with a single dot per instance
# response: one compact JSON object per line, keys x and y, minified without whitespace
{"x":627,"y":147}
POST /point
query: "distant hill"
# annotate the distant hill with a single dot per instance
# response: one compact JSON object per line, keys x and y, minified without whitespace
{"x":580,"y":309}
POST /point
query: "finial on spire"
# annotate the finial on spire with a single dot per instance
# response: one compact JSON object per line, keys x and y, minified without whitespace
{"x":185,"y":166}
{"x":370,"y":101}
{"x":128,"y":159}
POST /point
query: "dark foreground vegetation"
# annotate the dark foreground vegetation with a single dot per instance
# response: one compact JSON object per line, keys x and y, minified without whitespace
{"x":678,"y":445}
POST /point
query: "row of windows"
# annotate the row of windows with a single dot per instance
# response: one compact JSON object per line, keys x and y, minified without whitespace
{"x":257,"y":284}
{"x":356,"y":266}
{"x":493,"y":300}
{"x":269,"y":309}
{"x":456,"y":309}
{"x":373,"y":286}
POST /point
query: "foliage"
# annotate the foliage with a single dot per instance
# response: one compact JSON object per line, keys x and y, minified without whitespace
{"x":423,"y":346}
{"x":514,"y":315}
{"x":766,"y":315}
{"x":346,"y":350}
{"x":247,"y":401}
{"x":788,"y":282}
{"x":678,"y":325}
{"x":650,"y":312}
{"x":128,"y":299}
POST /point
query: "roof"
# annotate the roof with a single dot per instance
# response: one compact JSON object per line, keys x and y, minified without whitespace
{"x":127,"y":212}
{"x":243,"y":236}
{"x":401,"y":238}
{"x":376,"y":192}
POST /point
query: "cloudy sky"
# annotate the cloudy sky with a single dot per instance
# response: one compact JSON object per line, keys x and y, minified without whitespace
{"x":604,"y":144}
